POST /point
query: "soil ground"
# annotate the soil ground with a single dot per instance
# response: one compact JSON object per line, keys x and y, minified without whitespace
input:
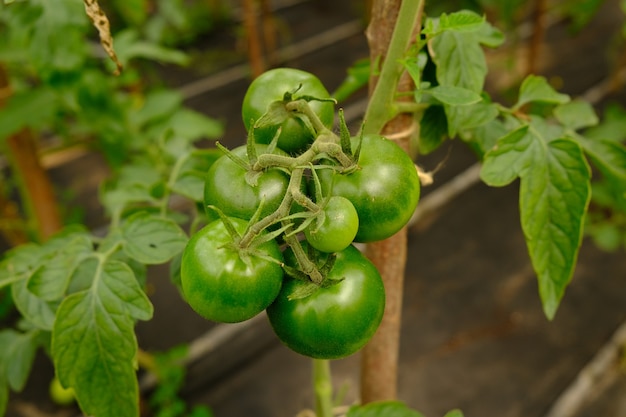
{"x":474,"y":336}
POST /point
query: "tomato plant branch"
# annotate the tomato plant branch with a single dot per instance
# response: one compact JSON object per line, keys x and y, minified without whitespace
{"x":377,"y":112}
{"x":322,"y":385}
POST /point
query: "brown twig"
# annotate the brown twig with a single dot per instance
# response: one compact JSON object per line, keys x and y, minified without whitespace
{"x":36,"y":188}
{"x":536,"y":41}
{"x":255,"y":49}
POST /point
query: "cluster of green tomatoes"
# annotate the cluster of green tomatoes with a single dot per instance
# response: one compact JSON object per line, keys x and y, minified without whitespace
{"x":285,"y":210}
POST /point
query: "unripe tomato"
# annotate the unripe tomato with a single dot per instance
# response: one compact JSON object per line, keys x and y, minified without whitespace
{"x":384,"y":188}
{"x":59,"y":394}
{"x":226,"y":187}
{"x":223,"y":284}
{"x":270,"y":87}
{"x":334,"y":321}
{"x":338,"y":228}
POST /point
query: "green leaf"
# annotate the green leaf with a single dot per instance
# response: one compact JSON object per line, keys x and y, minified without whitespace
{"x":51,"y":279}
{"x":459,"y":59}
{"x":576,"y":114}
{"x":18,"y":355}
{"x":19,"y":110}
{"x":94,"y":344}
{"x":18,"y":263}
{"x":433,"y":129}
{"x":613,"y":126}
{"x":58,"y":39}
{"x":536,"y":88}
{"x":151,"y":239}
{"x":464,"y":20}
{"x":129,"y":46}
{"x":454,"y":413}
{"x":454,"y":96}
{"x":193,"y":125}
{"x":484,"y":137}
{"x":190,"y":179}
{"x":462,"y":118}
{"x":554,"y":195}
{"x":358,"y":76}
{"x":159,"y":105}
{"x":610,"y":159}
{"x":382,"y":409}
{"x":39,"y":312}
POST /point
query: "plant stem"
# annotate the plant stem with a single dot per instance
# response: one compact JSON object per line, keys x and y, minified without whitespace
{"x":392,"y":26}
{"x":35,"y":186}
{"x":377,"y":112}
{"x":323,"y":387}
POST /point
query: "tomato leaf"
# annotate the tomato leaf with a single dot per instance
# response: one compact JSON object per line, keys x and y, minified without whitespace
{"x":613,"y":126}
{"x":382,"y":409}
{"x":454,"y":96}
{"x":151,"y":239}
{"x":358,"y":76}
{"x":189,"y":180}
{"x":554,"y":195}
{"x":459,"y":59}
{"x":18,"y":355}
{"x":576,"y":114}
{"x":610,"y":159}
{"x":36,"y":310}
{"x":94,"y":344}
{"x":536,"y":88}
{"x":194,"y":125}
{"x":19,"y":110}
{"x":462,"y":118}
{"x":461,"y":21}
{"x":51,"y":279}
{"x":433,"y":129}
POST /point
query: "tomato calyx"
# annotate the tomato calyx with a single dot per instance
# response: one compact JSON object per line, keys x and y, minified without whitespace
{"x":324,"y":263}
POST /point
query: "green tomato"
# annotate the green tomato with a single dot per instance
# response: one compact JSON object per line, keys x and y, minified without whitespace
{"x":224,"y":284}
{"x":226,"y":187}
{"x":337,"y":320}
{"x":270,"y":87}
{"x":384,"y":189}
{"x":335,"y":227}
{"x":59,"y":394}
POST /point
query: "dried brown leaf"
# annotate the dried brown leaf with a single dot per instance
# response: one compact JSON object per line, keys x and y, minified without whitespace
{"x":101,"y":22}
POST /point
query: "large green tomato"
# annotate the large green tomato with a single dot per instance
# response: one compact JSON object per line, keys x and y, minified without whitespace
{"x":226,"y":187}
{"x":222,"y":285}
{"x":384,"y":188}
{"x":334,"y":321}
{"x":270,"y":87}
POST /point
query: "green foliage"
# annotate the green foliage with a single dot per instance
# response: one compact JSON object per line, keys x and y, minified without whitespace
{"x":383,"y":409}
{"x":170,"y":372}
{"x":390,"y":409}
{"x":537,"y":140}
{"x":80,"y":295}
{"x":554,"y":194}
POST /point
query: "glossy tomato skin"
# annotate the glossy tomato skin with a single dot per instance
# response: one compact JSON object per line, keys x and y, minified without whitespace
{"x":336,"y":321}
{"x":226,"y":187}
{"x":338,"y":228}
{"x":384,"y":189}
{"x":270,"y":87}
{"x":219,"y":284}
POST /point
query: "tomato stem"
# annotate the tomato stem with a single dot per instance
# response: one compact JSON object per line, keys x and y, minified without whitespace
{"x":377,"y":113}
{"x":323,"y":387}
